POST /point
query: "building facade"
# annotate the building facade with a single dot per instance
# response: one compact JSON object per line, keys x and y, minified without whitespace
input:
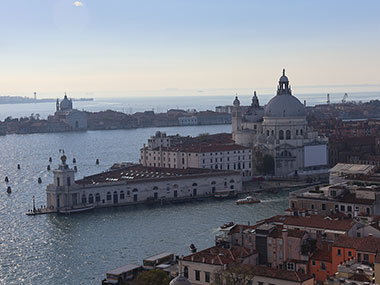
{"x":135,"y":184}
{"x":280,"y":130}
{"x":75,"y":119}
{"x":162,"y":152}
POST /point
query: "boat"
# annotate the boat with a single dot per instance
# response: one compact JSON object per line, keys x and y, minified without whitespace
{"x":248,"y":200}
{"x":75,"y":210}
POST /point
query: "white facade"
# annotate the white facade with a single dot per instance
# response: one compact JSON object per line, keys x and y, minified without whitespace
{"x":135,"y":184}
{"x":159,"y":153}
{"x":76,"y":119}
{"x":280,"y":129}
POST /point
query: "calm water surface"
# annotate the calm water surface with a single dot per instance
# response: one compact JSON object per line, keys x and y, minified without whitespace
{"x":79,"y":249}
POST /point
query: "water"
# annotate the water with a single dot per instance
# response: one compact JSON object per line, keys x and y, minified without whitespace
{"x":79,"y":249}
{"x":162,"y":103}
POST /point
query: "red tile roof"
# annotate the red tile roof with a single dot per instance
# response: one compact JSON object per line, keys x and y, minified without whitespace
{"x":320,"y":222}
{"x":281,"y":274}
{"x":365,"y":244}
{"x":220,"y":256}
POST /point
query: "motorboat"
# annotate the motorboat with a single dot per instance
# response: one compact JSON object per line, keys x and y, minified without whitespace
{"x":248,"y":200}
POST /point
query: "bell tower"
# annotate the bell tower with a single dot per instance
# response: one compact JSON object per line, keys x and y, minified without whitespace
{"x":236,"y":116}
{"x":58,"y":194}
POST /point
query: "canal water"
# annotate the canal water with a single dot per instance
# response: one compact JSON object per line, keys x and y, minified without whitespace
{"x":79,"y":249}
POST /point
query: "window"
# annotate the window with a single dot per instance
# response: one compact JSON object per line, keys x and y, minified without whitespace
{"x":84,"y":200}
{"x":97,"y":197}
{"x":281,"y":135}
{"x":342,"y":208}
{"x":109,"y":196}
{"x":339,"y":252}
{"x":68,"y":181}
{"x":288,"y":134}
{"x":323,"y":206}
{"x":313,"y":263}
{"x":260,"y":283}
{"x":207,"y":277}
{"x":349,"y":253}
{"x":365,"y":257}
{"x":186,"y":272}
{"x":197,"y":275}
{"x":290,"y":266}
{"x":91,"y":199}
{"x":323,"y":266}
{"x":58,"y":182}
{"x":122,"y":195}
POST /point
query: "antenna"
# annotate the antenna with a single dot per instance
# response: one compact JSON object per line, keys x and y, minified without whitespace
{"x":328,"y":98}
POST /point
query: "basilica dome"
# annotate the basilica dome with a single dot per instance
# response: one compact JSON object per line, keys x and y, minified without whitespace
{"x":284,"y":104}
{"x":66,"y":104}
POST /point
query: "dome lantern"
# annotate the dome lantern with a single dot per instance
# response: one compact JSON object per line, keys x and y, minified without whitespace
{"x":236,"y":101}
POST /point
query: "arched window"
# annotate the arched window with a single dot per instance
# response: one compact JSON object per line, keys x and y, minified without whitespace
{"x":90,"y":199}
{"x":175,"y":186}
{"x":195,"y":184}
{"x":155,"y":188}
{"x":301,"y":132}
{"x":288,"y":134}
{"x":267,"y":133}
{"x":232,"y":181}
{"x":239,"y":166}
{"x":213,"y":182}
{"x":281,"y":135}
{"x":186,"y":272}
{"x":97,"y":197}
{"x":135,"y":190}
{"x":122,"y":195}
{"x":84,"y":200}
{"x":296,"y":132}
{"x":109,"y":197}
{"x":272,"y":132}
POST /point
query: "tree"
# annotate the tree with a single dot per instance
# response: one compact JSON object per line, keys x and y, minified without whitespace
{"x":152,"y":277}
{"x":238,"y":274}
{"x":266,"y":165}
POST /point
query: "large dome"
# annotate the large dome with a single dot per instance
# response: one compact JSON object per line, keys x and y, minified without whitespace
{"x":284,"y":104}
{"x":66,"y":104}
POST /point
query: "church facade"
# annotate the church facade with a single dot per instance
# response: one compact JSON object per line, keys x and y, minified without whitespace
{"x":75,"y":119}
{"x":280,"y":130}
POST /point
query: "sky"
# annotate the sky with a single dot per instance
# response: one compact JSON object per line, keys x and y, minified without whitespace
{"x":147,"y":47}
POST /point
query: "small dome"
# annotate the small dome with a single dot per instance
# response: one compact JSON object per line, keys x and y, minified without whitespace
{"x":283,"y":78}
{"x":236,"y":101}
{"x":66,"y":104}
{"x":284,"y":106}
{"x":180,"y":280}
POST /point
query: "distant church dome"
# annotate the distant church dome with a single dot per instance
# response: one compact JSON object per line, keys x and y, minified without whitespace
{"x":180,"y":280}
{"x":284,"y":104}
{"x":236,"y":101}
{"x":66,"y":104}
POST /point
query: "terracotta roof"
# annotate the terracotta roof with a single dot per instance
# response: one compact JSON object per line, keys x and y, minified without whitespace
{"x":220,"y":256}
{"x":281,"y":274}
{"x":322,"y":253}
{"x":365,"y":244}
{"x":203,"y":147}
{"x":320,"y":222}
{"x":137,"y":173}
{"x":351,"y":198}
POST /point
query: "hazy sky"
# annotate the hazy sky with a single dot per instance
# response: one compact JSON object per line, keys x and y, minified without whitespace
{"x":110,"y":46}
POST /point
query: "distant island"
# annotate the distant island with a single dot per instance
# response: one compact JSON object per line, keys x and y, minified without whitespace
{"x":23,"y":100}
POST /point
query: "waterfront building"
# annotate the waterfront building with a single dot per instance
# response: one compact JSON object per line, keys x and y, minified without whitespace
{"x":75,"y":119}
{"x":354,"y":191}
{"x":280,"y":130}
{"x":208,"y":152}
{"x":200,"y":267}
{"x":133,"y":184}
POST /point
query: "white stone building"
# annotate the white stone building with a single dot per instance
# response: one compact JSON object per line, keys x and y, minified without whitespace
{"x":225,"y":155}
{"x":77,"y":120}
{"x":280,"y":130}
{"x":136,"y":184}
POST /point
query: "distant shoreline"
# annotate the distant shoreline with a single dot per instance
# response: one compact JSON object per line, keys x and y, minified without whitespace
{"x":27,"y":100}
